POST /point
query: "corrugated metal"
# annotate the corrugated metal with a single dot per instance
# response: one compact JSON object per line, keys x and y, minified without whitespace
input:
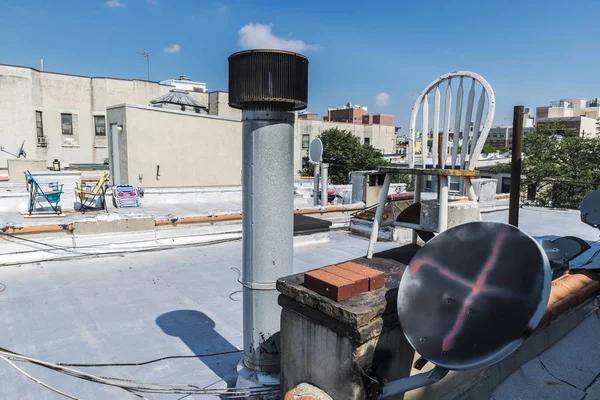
{"x":264,"y":80}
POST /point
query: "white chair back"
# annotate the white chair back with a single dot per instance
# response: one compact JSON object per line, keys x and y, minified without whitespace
{"x":472,"y":141}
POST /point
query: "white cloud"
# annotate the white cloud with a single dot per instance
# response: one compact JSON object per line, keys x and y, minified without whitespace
{"x":114,"y":4}
{"x":260,"y":36}
{"x":382,"y":99}
{"x":174,"y":48}
{"x":222,"y":8}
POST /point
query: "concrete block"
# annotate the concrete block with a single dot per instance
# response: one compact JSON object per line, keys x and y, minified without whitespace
{"x":485,"y":188}
{"x":459,"y":212}
{"x":99,"y":226}
{"x":18,"y":166}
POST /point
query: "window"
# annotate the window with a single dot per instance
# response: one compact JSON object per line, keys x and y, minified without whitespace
{"x":39,"y":125}
{"x":367,"y":140}
{"x":428,"y":182}
{"x":304,"y":162}
{"x":505,"y":185}
{"x":100,"y":125}
{"x":67,"y":124}
{"x":454,"y":184}
{"x":305,"y":140}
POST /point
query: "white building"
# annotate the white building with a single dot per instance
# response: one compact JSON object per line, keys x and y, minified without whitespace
{"x":62,"y":116}
{"x":570,"y":116}
{"x":185,"y":83}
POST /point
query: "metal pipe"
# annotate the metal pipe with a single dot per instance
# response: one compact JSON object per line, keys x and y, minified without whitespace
{"x":267,"y":231}
{"x":403,"y":385}
{"x":443,"y":202}
{"x":316,"y":185}
{"x":515,"y":166}
{"x":378,"y":214}
{"x":417,"y":199}
{"x":324,"y":175}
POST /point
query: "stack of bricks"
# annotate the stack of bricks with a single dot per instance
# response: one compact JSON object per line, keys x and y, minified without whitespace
{"x":343,"y":281}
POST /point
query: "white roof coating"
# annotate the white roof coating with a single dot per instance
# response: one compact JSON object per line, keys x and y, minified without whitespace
{"x":134,"y":308}
{"x":138,"y":307}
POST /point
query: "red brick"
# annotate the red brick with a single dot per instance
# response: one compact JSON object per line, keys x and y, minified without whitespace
{"x":376,"y":278}
{"x":329,"y":285}
{"x":361,"y":282}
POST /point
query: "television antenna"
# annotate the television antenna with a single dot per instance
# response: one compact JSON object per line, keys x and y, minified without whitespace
{"x":469,"y":298}
{"x":146,"y":55}
{"x":20,"y":152}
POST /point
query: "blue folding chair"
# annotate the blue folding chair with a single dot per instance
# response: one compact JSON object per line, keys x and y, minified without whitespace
{"x":37,"y":195}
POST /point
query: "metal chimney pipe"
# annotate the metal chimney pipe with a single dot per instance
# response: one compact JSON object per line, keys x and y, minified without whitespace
{"x":267,"y":85}
{"x":324,"y":187}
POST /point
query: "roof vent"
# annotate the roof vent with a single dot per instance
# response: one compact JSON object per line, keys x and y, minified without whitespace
{"x":268,"y":80}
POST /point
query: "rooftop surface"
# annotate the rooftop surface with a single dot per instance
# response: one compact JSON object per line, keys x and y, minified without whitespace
{"x":135,"y":308}
{"x":185,"y":301}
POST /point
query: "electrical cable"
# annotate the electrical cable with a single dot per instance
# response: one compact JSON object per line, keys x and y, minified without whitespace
{"x":68,"y":396}
{"x":109,"y":253}
{"x":135,"y":387}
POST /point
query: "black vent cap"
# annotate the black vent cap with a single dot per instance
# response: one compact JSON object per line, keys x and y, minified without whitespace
{"x":268,"y":80}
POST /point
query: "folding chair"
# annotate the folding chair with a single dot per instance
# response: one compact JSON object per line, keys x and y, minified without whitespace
{"x":36,"y":194}
{"x":88,"y":198}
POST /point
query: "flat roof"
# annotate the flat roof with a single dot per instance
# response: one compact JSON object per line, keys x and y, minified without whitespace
{"x":135,"y":308}
{"x":180,"y":302}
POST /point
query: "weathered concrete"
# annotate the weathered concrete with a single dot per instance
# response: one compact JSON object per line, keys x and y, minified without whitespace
{"x":328,"y":343}
{"x":363,"y":228}
{"x":100,"y":226}
{"x":18,"y":166}
{"x":459,"y":212}
{"x":485,"y":189}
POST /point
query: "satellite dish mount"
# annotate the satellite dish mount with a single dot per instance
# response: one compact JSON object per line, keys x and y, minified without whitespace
{"x":20,"y":152}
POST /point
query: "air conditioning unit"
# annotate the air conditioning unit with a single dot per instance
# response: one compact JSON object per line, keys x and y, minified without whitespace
{"x":42,"y":141}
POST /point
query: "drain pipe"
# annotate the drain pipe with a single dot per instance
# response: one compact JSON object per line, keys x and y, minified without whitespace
{"x":268,"y":86}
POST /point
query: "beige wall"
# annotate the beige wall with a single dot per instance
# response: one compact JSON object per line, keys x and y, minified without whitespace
{"x":382,"y":137}
{"x":191,"y":149}
{"x":25,"y":90}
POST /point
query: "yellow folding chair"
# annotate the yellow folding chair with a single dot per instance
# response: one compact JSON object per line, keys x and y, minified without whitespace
{"x":88,"y":197}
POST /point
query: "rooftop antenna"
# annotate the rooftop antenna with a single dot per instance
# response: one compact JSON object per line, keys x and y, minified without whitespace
{"x":451,"y":323}
{"x":268,"y":86}
{"x":146,"y":55}
{"x":20,"y":152}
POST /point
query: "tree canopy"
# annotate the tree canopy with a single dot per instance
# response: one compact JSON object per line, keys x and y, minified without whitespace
{"x":559,"y":171}
{"x":345,"y":153}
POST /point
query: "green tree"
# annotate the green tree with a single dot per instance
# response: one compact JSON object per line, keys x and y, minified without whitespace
{"x":344,"y":153}
{"x":488,"y":148}
{"x":561,"y":170}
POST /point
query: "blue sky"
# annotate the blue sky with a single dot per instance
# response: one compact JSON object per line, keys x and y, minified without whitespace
{"x":530,"y":51}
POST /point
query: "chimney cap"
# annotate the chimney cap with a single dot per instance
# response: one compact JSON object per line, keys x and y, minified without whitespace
{"x":266,"y":79}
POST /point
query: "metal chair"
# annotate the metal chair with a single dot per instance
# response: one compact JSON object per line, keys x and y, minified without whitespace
{"x":445,"y":162}
{"x":37,"y":195}
{"x":88,"y":197}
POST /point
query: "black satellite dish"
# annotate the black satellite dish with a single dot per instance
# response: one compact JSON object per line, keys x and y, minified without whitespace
{"x":590,"y":209}
{"x":472,"y":294}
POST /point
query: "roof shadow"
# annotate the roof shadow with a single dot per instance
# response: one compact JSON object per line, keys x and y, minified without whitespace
{"x":197,"y":331}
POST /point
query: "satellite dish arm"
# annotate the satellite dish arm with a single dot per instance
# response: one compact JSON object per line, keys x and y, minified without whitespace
{"x":402,"y":385}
